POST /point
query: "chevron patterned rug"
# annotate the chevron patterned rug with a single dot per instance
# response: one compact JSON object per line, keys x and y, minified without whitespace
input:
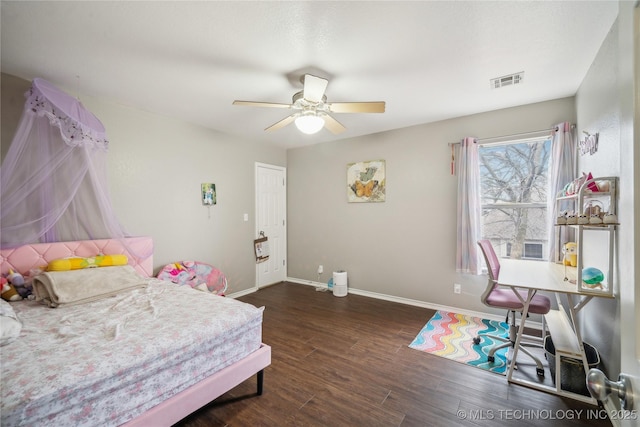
{"x":450,"y":335}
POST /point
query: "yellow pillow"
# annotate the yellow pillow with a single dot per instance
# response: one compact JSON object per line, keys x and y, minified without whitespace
{"x":66,"y":264}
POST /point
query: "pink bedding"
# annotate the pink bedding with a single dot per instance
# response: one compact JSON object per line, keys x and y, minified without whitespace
{"x":148,"y":355}
{"x":108,"y":361}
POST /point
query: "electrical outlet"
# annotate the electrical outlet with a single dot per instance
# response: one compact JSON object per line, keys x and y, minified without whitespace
{"x":457,"y":288}
{"x":320,"y":269}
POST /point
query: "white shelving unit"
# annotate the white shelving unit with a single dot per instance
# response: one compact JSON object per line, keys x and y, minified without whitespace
{"x":594,"y":248}
{"x":595,"y":242}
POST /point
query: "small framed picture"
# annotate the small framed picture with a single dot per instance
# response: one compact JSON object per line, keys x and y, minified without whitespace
{"x":208,"y":194}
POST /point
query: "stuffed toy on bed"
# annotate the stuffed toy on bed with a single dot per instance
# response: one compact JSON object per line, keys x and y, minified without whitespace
{"x":77,"y":263}
{"x":195,"y":274}
{"x":9,"y":292}
{"x":21,"y":284}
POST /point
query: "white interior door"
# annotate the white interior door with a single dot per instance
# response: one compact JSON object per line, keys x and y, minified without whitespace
{"x":271,"y":212}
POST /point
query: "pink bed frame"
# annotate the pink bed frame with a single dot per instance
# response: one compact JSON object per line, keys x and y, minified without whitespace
{"x":28,"y":257}
{"x":186,"y":402}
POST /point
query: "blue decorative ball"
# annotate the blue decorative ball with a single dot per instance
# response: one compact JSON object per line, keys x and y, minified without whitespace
{"x":592,"y":276}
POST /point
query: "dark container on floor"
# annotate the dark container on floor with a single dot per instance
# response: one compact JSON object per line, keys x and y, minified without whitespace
{"x":572,"y":376}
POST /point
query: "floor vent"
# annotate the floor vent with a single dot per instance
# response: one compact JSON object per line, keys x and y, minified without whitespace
{"x":511,"y":79}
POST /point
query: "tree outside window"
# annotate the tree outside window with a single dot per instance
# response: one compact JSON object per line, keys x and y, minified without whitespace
{"x":514,"y":196}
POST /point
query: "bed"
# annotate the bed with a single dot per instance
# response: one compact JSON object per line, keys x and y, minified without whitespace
{"x":147,"y":355}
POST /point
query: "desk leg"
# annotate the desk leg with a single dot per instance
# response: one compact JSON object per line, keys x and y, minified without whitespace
{"x":525,"y":310}
{"x":573,"y":311}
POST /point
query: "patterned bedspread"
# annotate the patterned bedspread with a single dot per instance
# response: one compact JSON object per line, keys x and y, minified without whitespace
{"x":108,"y":361}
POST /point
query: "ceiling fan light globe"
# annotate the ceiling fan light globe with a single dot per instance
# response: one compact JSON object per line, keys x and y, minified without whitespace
{"x":309,"y":124}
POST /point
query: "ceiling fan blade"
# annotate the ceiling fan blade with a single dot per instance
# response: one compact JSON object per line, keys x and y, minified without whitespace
{"x":356,"y":107}
{"x":334,"y":126}
{"x":314,"y":88}
{"x":282,"y":123}
{"x":261,"y":104}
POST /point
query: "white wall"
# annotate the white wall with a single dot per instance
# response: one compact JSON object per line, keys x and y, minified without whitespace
{"x":12,"y":103}
{"x":597,"y":110}
{"x":406,"y":246}
{"x":604,"y":105}
{"x":156,"y":166}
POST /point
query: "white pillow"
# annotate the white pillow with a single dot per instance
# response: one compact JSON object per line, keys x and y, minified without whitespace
{"x":10,"y":325}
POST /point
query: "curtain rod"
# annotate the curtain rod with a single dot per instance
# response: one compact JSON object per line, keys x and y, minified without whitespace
{"x":553,"y":129}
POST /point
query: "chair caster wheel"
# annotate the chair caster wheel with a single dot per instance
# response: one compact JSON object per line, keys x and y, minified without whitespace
{"x":540,"y":372}
{"x":491,"y":359}
{"x":476,"y":340}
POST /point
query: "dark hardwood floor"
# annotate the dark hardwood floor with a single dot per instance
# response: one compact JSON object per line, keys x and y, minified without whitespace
{"x":346,"y":362}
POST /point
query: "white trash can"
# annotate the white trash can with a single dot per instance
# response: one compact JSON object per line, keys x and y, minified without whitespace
{"x":340,"y":283}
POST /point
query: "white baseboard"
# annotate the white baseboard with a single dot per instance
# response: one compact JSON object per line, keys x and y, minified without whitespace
{"x":242,"y":293}
{"x":417,"y":303}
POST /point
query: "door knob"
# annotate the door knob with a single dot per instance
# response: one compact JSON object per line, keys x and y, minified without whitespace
{"x":601,"y":387}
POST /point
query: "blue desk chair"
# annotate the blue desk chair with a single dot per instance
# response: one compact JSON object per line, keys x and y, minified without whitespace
{"x":506,"y":298}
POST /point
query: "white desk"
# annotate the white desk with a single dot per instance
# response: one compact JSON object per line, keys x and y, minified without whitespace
{"x":534,"y":276}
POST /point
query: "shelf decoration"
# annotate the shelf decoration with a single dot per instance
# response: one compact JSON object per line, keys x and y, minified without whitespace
{"x":584,"y":238}
{"x":592,"y":277}
{"x":572,"y":188}
{"x":570,"y":257}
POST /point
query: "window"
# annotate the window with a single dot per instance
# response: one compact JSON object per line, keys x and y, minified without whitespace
{"x":531,"y":250}
{"x":513,"y":177}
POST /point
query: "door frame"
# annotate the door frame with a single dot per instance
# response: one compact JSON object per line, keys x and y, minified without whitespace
{"x":627,"y":243}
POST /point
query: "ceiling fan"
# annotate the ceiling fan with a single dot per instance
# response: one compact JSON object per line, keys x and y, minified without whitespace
{"x":312,"y":108}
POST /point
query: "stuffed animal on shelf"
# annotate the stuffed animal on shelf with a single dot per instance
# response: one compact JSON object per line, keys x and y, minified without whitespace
{"x":595,"y":219}
{"x":570,"y":251}
{"x":9,"y":292}
{"x":574,"y":186}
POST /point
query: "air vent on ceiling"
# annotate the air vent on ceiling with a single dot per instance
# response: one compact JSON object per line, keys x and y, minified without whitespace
{"x":511,"y":79}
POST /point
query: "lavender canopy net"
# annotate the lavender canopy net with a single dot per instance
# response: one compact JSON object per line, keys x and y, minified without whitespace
{"x":54,"y":176}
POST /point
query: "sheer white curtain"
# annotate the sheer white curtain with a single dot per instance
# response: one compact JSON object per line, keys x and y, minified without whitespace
{"x":469,"y":212}
{"x":54,"y":176}
{"x":562,"y":169}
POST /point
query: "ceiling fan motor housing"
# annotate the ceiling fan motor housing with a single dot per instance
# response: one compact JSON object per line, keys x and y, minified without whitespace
{"x":299,"y":101}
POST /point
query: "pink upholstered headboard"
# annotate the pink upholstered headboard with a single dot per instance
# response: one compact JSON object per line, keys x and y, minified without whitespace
{"x":139,"y":251}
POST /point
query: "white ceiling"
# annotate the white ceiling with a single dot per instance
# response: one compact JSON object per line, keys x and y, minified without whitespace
{"x":428,"y":60}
